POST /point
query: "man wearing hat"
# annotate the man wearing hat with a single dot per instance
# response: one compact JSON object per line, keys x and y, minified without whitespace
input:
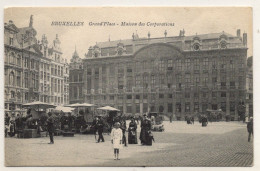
{"x":50,"y":127}
{"x":145,"y":128}
{"x":100,"y":126}
{"x":250,"y":128}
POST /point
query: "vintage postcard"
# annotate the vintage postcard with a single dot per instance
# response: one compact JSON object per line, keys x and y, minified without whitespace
{"x":128,"y":86}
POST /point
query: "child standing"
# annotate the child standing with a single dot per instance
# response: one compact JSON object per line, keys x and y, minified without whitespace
{"x":116,"y":139}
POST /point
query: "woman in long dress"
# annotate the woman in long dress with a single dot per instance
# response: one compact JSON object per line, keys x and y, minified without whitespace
{"x":132,"y":134}
{"x":116,"y":139}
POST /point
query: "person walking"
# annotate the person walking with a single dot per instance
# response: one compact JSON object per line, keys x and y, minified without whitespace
{"x":146,"y":126}
{"x":250,"y":128}
{"x":132,"y":134}
{"x":116,"y":139}
{"x":171,"y":118}
{"x":50,"y":127}
{"x":123,"y":127}
{"x":100,"y":127}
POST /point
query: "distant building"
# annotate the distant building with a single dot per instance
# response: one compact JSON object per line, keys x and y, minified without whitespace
{"x":249,"y":87}
{"x":76,"y":84}
{"x":28,"y":64}
{"x":182,"y":75}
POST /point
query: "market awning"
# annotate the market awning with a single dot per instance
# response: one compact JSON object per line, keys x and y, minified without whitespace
{"x":80,"y":105}
{"x":64,"y":109}
{"x":38,"y":105}
{"x":108,"y":108}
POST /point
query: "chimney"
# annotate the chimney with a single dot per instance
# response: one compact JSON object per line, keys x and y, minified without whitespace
{"x":245,"y":39}
{"x":10,"y":21}
{"x":238,"y":32}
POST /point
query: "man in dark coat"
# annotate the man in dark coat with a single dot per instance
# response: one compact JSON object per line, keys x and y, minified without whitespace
{"x":100,"y":126}
{"x":50,"y":127}
{"x":250,"y":128}
{"x":123,"y":127}
{"x":94,"y":126}
{"x":145,"y":128}
{"x":7,"y":120}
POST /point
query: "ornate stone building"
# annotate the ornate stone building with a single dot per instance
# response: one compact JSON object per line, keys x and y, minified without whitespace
{"x":28,"y":64}
{"x":76,"y":84}
{"x":182,"y":74}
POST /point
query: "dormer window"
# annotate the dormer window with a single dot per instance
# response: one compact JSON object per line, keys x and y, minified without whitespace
{"x":196,"y":47}
{"x":11,"y":41}
{"x":96,"y":54}
{"x":223,"y":45}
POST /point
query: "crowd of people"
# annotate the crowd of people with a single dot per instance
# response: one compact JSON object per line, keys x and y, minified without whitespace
{"x":115,"y":125}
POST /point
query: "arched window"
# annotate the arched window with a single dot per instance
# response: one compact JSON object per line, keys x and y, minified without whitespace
{"x":11,"y":78}
{"x":12,"y":94}
{"x":18,"y":95}
{"x":19,"y":60}
{"x":12,"y":58}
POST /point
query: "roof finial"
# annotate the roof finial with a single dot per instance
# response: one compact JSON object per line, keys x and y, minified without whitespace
{"x":31,"y":21}
{"x":75,"y":48}
{"x":109,"y":38}
{"x":149,"y":34}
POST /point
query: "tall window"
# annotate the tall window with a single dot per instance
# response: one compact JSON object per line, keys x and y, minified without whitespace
{"x":196,"y":64}
{"x":19,"y":60}
{"x":178,"y":107}
{"x":12,"y":58}
{"x":145,"y":81}
{"x":18,"y":79}
{"x":138,"y":81}
{"x":161,"y":65}
{"x":214,"y":63}
{"x":161,"y":81}
{"x":11,"y":78}
{"x":26,"y":80}
{"x":187,"y":107}
{"x":196,"y":79}
{"x":196,"y":107}
{"x":187,"y":80}
{"x":187,"y":64}
{"x":11,"y":41}
{"x":205,"y":80}
{"x":169,"y":65}
{"x":170,"y":107}
{"x":129,"y":83}
{"x":178,"y":64}
{"x":205,"y":63}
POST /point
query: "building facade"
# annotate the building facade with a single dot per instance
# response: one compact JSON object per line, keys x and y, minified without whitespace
{"x":249,"y":87}
{"x":180,"y":75}
{"x":76,"y":84}
{"x":28,"y":63}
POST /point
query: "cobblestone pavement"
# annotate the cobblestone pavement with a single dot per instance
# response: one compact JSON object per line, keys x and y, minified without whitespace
{"x":218,"y":144}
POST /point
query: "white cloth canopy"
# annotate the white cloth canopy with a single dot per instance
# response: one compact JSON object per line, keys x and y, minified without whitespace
{"x":80,"y":105}
{"x":64,"y":109}
{"x":38,"y":105}
{"x":109,"y":108}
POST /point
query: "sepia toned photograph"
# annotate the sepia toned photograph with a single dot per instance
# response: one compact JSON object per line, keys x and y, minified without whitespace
{"x":128,"y":86}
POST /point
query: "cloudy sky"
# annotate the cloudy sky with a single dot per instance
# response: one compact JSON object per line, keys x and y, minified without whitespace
{"x":193,"y":20}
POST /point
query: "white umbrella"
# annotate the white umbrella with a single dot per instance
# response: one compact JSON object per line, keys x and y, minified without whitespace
{"x":38,"y":105}
{"x":64,"y":109}
{"x":80,"y":105}
{"x":108,"y":108}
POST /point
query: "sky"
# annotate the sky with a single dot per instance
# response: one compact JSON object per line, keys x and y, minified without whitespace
{"x":192,"y":20}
